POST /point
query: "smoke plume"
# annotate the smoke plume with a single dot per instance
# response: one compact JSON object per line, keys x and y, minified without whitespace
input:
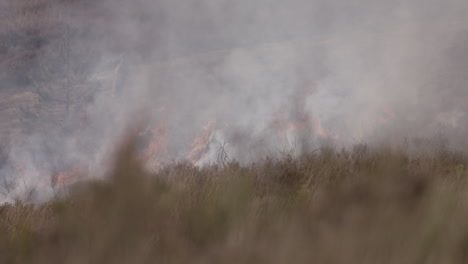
{"x":243,"y":80}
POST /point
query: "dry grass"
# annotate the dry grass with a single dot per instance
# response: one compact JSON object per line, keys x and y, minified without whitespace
{"x":363,"y":206}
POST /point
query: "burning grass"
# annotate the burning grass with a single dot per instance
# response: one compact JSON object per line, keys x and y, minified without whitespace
{"x":362,"y":206}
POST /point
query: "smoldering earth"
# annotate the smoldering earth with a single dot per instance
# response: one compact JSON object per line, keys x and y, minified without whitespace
{"x":209,"y":81}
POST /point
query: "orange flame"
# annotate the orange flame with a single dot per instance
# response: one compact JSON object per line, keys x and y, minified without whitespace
{"x":157,"y":146}
{"x":158,"y":142}
{"x":62,"y":178}
{"x":301,"y":125}
{"x":200,"y":143}
{"x":69,"y":176}
{"x":302,"y":122}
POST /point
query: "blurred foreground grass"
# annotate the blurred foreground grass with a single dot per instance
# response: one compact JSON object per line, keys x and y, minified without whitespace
{"x":362,"y":206}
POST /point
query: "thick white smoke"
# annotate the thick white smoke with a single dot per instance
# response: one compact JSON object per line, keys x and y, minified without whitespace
{"x":268,"y":76}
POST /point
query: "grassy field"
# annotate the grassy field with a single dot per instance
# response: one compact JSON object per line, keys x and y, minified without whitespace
{"x":362,"y":206}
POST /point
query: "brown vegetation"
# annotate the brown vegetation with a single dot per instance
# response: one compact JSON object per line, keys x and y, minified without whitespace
{"x":364,"y":206}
